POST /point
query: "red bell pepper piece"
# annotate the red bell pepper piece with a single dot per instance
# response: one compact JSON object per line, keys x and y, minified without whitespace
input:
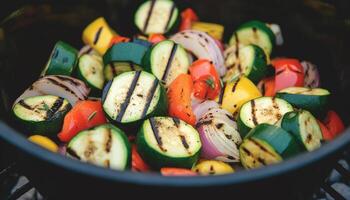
{"x":179,"y":98}
{"x":167,"y":171}
{"x":289,"y":73}
{"x":334,"y":123}
{"x":138,"y":165}
{"x":327,"y":135}
{"x":206,"y":79}
{"x":84,"y":115}
{"x":269,"y":87}
{"x":118,"y":39}
{"x":156,"y":38}
{"x":188,"y":16}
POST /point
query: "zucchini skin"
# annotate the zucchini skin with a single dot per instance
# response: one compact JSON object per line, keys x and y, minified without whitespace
{"x":290,"y":122}
{"x":259,"y":67}
{"x":158,"y":160}
{"x":48,"y":128}
{"x":258,"y":25}
{"x":313,"y":103}
{"x":279,"y":139}
{"x":134,"y":53}
{"x":131,"y":128}
{"x":242,"y":128}
{"x":65,"y":62}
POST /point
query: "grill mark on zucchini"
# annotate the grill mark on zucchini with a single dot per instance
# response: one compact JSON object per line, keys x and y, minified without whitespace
{"x":255,"y":120}
{"x":55,"y":107}
{"x":153,"y":2}
{"x":150,"y":97}
{"x":72,"y":153}
{"x":168,"y":65}
{"x":55,"y":82}
{"x":114,"y":72}
{"x":156,"y":134}
{"x":184,"y":142}
{"x":108,"y":144}
{"x":275,"y":106}
{"x":25,"y":105}
{"x":235,"y":85}
{"x":170,"y":16}
{"x":97,"y":36}
{"x":125,"y":104}
{"x":132,"y":66}
{"x":176,"y":122}
{"x":90,"y":149}
{"x":262,"y":148}
{"x":246,"y":151}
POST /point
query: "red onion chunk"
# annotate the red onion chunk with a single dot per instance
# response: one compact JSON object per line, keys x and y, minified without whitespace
{"x":312,"y":76}
{"x":219,"y":136}
{"x":202,"y":46}
{"x":63,"y":86}
{"x":200,"y":109}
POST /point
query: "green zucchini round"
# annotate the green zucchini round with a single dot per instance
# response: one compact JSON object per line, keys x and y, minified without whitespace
{"x":168,"y":142}
{"x":312,"y":99}
{"x":304,"y":126}
{"x":103,"y":145}
{"x":261,"y":110}
{"x":133,"y":96}
{"x":267,"y":144}
{"x":254,"y":32}
{"x":166,"y":60}
{"x":41,"y":114}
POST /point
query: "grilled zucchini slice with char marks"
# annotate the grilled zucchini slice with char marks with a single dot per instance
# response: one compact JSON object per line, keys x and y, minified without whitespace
{"x":133,"y":96}
{"x":104,"y":145}
{"x":168,"y":142}
{"x":261,"y":110}
{"x":41,"y":114}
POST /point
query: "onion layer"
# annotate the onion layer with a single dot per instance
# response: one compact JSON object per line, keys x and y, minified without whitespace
{"x":219,"y":136}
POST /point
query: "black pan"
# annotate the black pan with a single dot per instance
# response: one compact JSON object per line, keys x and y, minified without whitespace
{"x":313,"y":31}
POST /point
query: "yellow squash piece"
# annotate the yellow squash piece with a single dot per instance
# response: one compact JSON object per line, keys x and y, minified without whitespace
{"x":237,"y":93}
{"x":98,"y":35}
{"x":213,"y":167}
{"x":214,"y":30}
{"x":44,"y":142}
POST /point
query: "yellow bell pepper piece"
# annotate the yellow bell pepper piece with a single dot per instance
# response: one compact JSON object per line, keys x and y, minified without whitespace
{"x":214,"y":30}
{"x":237,"y":93}
{"x":44,"y":142}
{"x":98,"y":35}
{"x":213,"y":167}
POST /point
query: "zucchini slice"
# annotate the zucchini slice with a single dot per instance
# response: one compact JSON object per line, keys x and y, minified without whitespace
{"x":116,"y":68}
{"x":312,"y":99}
{"x":62,"y":61}
{"x":133,"y":96}
{"x":168,"y":142}
{"x":250,"y":60}
{"x":104,"y":145}
{"x":41,"y":114}
{"x":90,"y":70}
{"x":125,"y":52}
{"x":267,"y":144}
{"x":261,"y":110}
{"x":156,"y":16}
{"x":304,"y":126}
{"x":254,"y":32}
{"x":166,"y":60}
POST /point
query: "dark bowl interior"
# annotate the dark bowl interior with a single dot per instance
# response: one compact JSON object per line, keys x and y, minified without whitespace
{"x":313,"y":31}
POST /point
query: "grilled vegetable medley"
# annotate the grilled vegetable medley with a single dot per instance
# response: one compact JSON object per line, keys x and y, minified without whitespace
{"x":176,"y":99}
